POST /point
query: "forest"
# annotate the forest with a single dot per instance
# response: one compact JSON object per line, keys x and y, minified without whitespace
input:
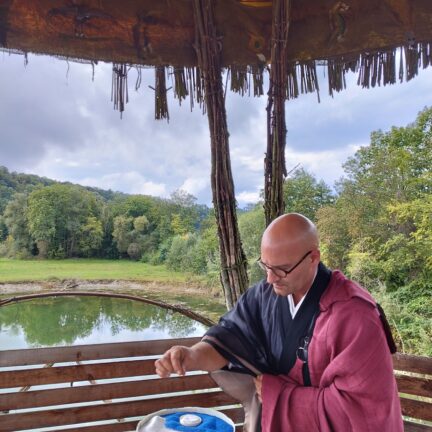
{"x":375,"y":225}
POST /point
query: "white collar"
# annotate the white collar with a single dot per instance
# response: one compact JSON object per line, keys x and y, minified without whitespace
{"x":294,"y":308}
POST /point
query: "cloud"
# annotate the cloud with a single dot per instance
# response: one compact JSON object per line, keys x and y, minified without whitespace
{"x":61,"y":124}
{"x":195,"y":185}
{"x":132,"y":181}
{"x":247,"y":197}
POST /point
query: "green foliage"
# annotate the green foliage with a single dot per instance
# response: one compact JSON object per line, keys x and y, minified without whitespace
{"x":122,"y":232}
{"x":91,"y":237}
{"x":57,"y":216}
{"x":379,"y":230}
{"x":187,"y":254}
{"x":19,"y":241}
{"x":305,"y":195}
{"x":251,"y":226}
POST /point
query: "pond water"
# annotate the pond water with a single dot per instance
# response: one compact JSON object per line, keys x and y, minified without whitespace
{"x":59,"y":321}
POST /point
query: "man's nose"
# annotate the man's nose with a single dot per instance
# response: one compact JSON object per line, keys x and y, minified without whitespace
{"x":271,"y":277}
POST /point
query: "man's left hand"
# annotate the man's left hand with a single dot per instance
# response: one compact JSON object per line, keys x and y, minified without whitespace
{"x":258,"y":386}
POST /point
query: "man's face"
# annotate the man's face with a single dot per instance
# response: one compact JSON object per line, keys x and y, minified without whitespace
{"x":290,"y":271}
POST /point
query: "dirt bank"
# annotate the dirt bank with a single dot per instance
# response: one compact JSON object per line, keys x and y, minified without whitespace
{"x":114,"y":285}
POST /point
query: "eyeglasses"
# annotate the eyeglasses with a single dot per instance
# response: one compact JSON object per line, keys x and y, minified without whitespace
{"x":279,"y":271}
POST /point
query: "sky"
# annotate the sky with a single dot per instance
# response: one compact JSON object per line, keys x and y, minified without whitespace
{"x":57,"y":122}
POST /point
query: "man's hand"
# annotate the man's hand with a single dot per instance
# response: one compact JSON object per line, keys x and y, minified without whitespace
{"x":178,"y":359}
{"x":258,"y":386}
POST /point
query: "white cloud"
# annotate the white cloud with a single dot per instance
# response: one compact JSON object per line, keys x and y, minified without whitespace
{"x":131,"y":181}
{"x":194,"y":185}
{"x":247,"y":197}
{"x":325,"y":164}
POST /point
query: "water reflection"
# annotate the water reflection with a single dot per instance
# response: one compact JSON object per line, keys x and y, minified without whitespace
{"x":82,"y":320}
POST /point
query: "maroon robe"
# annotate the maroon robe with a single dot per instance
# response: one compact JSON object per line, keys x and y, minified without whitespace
{"x":353,"y":386}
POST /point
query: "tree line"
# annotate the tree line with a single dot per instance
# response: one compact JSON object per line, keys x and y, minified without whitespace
{"x":375,"y":225}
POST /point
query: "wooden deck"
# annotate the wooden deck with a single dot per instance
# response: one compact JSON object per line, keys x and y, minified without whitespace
{"x":108,"y":387}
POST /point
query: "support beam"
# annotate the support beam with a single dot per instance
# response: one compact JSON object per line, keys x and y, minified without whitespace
{"x":208,"y":48}
{"x":274,"y":163}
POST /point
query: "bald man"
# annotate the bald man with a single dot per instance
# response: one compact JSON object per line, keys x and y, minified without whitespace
{"x":316,"y":344}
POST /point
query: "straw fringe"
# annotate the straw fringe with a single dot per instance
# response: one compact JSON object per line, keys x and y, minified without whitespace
{"x":161,"y":100}
{"x":372,"y":68}
{"x":119,"y":87}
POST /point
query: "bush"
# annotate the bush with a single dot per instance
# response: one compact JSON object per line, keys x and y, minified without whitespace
{"x":134,"y":251}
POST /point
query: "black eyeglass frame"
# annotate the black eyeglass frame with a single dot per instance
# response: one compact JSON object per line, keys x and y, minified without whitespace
{"x":277,"y":269}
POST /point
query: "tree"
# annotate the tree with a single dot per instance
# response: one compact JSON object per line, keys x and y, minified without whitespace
{"x":56,"y":216}
{"x":251,"y":225}
{"x":304,"y":194}
{"x":91,"y":237}
{"x":15,"y":221}
{"x":122,"y":233}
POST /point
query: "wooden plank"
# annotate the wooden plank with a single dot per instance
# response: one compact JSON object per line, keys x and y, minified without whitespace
{"x":84,"y":372}
{"x":416,"y":427}
{"x":409,"y":363}
{"x":416,"y":409}
{"x":68,"y":416}
{"x":414,"y":385}
{"x":235,"y":414}
{"x":99,"y":392}
{"x":123,"y":426}
{"x":34,"y":356}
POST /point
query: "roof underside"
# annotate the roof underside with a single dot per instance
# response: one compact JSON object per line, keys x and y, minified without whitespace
{"x":357,"y":35}
{"x":161,"y":32}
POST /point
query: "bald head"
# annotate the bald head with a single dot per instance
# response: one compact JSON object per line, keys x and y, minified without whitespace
{"x":291,"y":230}
{"x":290,"y":243}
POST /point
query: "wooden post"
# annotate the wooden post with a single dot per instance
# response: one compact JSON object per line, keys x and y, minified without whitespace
{"x":208,"y":48}
{"x":274,"y":164}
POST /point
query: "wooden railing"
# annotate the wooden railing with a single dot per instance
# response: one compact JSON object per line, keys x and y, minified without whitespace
{"x":108,"y":387}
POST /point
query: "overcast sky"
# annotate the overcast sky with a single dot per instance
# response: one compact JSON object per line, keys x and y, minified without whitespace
{"x":58,"y":123}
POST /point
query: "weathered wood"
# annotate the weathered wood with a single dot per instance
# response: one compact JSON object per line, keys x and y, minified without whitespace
{"x":98,"y":392}
{"x":84,"y":372}
{"x":59,"y":417}
{"x":274,"y":162}
{"x":162,"y":32}
{"x":414,"y":385}
{"x":233,"y":273}
{"x":157,"y":393}
{"x":235,"y":414}
{"x":416,"y":409}
{"x":120,"y":426}
{"x":416,"y":427}
{"x":408,"y":363}
{"x":34,"y":356}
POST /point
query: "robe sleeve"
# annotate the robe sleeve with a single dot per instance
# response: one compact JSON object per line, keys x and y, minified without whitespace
{"x":357,"y":390}
{"x":240,"y":331}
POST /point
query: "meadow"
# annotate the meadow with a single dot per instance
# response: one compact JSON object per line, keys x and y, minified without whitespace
{"x":14,"y":271}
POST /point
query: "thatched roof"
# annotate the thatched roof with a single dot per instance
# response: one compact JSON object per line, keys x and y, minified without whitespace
{"x":348,"y":35}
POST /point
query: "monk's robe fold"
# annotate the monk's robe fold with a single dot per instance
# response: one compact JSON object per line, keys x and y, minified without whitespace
{"x":353,"y":386}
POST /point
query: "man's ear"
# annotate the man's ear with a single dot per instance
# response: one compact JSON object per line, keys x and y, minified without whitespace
{"x":316,"y":255}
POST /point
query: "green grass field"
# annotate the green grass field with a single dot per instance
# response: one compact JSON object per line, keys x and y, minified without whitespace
{"x":86,"y":269}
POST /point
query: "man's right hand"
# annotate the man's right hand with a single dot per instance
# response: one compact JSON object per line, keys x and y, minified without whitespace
{"x":178,"y":359}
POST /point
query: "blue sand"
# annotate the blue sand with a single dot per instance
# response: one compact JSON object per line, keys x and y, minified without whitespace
{"x":209,"y":423}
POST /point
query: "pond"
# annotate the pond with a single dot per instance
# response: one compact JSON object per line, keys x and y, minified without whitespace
{"x":60,"y":321}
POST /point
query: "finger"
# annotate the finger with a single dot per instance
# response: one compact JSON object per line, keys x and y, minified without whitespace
{"x":161,"y":370}
{"x":165,"y":363}
{"x":177,"y":358}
